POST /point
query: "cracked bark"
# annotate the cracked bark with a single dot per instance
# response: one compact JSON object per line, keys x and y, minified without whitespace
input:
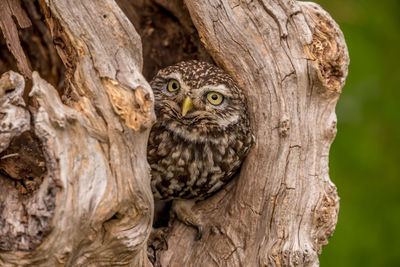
{"x":8,"y":10}
{"x":291,"y":59}
{"x":86,"y":200}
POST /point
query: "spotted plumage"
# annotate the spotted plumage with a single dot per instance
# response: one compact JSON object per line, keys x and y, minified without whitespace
{"x":202,"y":133}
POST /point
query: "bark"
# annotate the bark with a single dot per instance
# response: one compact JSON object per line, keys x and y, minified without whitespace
{"x":91,"y":203}
{"x":74,"y":180}
{"x":166,"y":39}
{"x":8,"y":10}
{"x":38,"y":49}
{"x":291,"y":60}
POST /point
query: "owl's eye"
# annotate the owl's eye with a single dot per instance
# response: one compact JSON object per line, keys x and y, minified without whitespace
{"x":173,"y":85}
{"x":215,"y":98}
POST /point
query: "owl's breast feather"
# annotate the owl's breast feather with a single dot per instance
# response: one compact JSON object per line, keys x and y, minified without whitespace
{"x":191,"y":170}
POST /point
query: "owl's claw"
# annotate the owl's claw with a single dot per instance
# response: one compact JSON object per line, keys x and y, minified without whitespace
{"x":158,"y":234}
{"x":183,"y":211}
{"x":199,"y":229}
{"x":151,"y":257}
{"x":164,"y":238}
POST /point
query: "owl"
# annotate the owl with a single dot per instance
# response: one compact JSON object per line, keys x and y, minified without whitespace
{"x":200,"y":138}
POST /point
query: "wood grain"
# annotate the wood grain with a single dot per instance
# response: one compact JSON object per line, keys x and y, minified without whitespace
{"x":93,"y":206}
{"x":8,"y":10}
{"x":291,"y":60}
{"x":102,"y":202}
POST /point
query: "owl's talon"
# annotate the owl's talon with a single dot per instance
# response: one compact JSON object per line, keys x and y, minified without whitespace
{"x":151,"y":257}
{"x":164,"y":237}
{"x":199,"y":232}
{"x":158,"y":234}
{"x":199,"y":229}
{"x":183,"y":211}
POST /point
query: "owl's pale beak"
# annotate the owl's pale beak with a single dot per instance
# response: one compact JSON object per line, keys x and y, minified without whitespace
{"x":186,"y":106}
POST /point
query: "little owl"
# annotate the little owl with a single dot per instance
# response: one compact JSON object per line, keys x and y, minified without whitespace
{"x":201,"y":136}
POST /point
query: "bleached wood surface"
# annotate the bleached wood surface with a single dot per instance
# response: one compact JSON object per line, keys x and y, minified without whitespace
{"x":291,"y":59}
{"x":96,"y":195}
{"x":94,"y":206}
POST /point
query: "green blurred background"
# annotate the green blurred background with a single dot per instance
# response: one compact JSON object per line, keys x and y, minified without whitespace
{"x":365,"y":156}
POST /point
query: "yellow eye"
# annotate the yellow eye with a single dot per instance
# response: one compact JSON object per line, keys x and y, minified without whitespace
{"x":173,"y":85}
{"x":215,"y":98}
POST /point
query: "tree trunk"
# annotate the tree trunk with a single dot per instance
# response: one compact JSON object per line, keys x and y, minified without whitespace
{"x":91,"y":203}
{"x":291,"y":59}
{"x":74,"y":184}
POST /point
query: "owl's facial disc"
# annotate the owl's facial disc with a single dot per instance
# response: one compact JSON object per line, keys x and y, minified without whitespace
{"x":195,"y":109}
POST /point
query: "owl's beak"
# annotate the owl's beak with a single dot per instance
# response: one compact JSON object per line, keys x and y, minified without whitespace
{"x":186,"y":106}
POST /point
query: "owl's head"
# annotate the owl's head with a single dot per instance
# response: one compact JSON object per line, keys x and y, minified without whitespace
{"x":197,"y":100}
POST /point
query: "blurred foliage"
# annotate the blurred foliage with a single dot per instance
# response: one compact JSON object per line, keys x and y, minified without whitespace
{"x":365,"y":156}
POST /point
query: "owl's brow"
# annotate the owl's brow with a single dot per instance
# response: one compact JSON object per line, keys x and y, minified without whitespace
{"x":172,"y":75}
{"x":216,"y":88}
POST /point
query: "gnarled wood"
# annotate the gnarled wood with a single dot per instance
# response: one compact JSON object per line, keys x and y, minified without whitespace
{"x":85,"y":199}
{"x":291,"y":60}
{"x":94,"y":205}
{"x":8,"y":10}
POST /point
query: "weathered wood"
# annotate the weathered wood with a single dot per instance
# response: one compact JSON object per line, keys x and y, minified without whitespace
{"x":13,"y":115}
{"x":26,"y":199}
{"x":38,"y":46}
{"x":166,"y":39}
{"x":95,"y":194}
{"x":86,"y":201}
{"x":291,"y":59}
{"x":8,"y":10}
